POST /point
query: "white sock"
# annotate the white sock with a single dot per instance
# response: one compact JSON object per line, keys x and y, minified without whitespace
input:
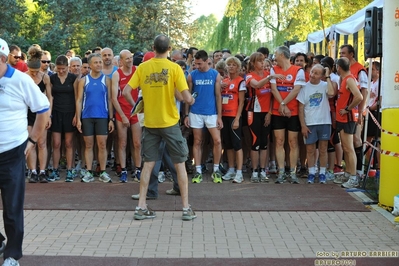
{"x":231,"y":170}
{"x":215,"y":167}
{"x":198,"y":169}
{"x":239,"y":172}
{"x":322,"y":170}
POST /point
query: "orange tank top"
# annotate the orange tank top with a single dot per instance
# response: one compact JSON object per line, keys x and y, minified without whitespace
{"x":263,"y":95}
{"x":284,"y":87}
{"x":345,"y":97}
{"x":230,"y":96}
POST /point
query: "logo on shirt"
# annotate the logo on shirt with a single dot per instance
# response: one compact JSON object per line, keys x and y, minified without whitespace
{"x":158,"y":77}
{"x":315,"y":99}
{"x":231,"y":86}
{"x":289,"y":77}
{"x":204,"y":82}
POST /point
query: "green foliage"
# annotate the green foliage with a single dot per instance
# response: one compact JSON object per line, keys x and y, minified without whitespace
{"x":200,"y":30}
{"x":81,"y":25}
{"x":249,"y":24}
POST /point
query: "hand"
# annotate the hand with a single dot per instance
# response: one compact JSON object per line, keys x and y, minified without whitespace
{"x":74,"y":121}
{"x":305,"y":131}
{"x":48,"y":125}
{"x":219,"y":123}
{"x":278,"y":76}
{"x":268,"y":119}
{"x":187,"y":122}
{"x":29,"y":146}
{"x":223,"y":85}
{"x":79,"y":126}
{"x":236,"y":123}
{"x":327,"y":71}
{"x":125,"y":121}
{"x":111,"y":126}
{"x":343,"y":112}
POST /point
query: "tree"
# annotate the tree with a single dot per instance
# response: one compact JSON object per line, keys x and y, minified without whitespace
{"x":250,"y":23}
{"x":9,"y":24}
{"x":200,"y":30}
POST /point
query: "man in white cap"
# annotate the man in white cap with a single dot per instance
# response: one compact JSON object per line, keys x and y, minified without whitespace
{"x":15,"y":145}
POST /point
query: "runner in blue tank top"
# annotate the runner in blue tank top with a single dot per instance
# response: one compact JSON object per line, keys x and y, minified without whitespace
{"x":94,"y":113}
{"x":206,"y":111}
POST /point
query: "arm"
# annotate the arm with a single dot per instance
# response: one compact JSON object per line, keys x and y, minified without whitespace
{"x":241,"y":100}
{"x":178,"y":96}
{"x":37,"y":129}
{"x":187,"y":106}
{"x":357,"y":96}
{"x":114,"y":98}
{"x":330,"y":86}
{"x":127,"y":94}
{"x":47,"y":82}
{"x":79,"y":98}
{"x":218,"y":97}
{"x":304,"y":129}
{"x":111,"y":125}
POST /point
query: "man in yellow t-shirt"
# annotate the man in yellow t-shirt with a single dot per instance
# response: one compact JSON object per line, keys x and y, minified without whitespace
{"x":161,"y":82}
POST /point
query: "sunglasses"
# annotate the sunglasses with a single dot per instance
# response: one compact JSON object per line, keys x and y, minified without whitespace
{"x":17,"y":56}
{"x":46,"y":61}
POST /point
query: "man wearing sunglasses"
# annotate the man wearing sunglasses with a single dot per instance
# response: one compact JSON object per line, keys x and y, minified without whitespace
{"x":14,"y":59}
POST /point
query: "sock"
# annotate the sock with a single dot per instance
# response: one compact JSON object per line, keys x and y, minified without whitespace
{"x":359,"y":157}
{"x":42,"y":171}
{"x":322,"y":170}
{"x":198,"y":169}
{"x":262,"y":170}
{"x":231,"y":170}
{"x":215,"y":167}
{"x":239,"y":172}
{"x":312,"y":170}
{"x":353,"y":177}
{"x":293,"y":170}
{"x":34,"y":171}
{"x":281,"y":170}
{"x":272,"y":163}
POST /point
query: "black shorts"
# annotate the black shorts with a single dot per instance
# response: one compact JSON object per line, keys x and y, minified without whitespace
{"x":334,"y":139}
{"x":231,"y":137}
{"x":62,"y":122}
{"x":348,"y":128}
{"x":259,"y":132}
{"x":282,"y":122}
{"x":95,"y":126}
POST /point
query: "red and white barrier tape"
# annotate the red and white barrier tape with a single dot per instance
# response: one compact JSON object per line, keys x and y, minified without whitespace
{"x":379,"y":126}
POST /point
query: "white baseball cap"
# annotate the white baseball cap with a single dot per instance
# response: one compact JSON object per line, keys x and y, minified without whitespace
{"x":4,"y":47}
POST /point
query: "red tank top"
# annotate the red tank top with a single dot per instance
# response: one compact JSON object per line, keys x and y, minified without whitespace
{"x":284,"y":87}
{"x":263,"y":94}
{"x":355,"y":70}
{"x":230,"y":96}
{"x":345,"y":98}
{"x":123,"y":81}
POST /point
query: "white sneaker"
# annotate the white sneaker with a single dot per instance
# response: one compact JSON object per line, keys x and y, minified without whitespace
{"x":351,"y":183}
{"x":228,"y":176}
{"x":263,"y":176}
{"x":238,"y":178}
{"x":104,"y":177}
{"x":88,"y":177}
{"x":10,"y":262}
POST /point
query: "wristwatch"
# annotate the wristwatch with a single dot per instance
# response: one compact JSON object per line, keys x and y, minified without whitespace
{"x":347,"y":109}
{"x":282,"y":103}
{"x":112,"y":119}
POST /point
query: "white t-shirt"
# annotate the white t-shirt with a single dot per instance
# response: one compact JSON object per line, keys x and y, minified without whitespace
{"x":316,"y":106}
{"x":18,"y":91}
{"x":334,"y":77}
{"x":373,"y":92}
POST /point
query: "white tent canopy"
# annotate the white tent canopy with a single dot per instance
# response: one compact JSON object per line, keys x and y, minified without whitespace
{"x":301,"y":47}
{"x":346,"y":27}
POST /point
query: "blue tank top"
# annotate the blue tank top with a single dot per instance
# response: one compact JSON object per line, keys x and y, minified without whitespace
{"x":204,"y":85}
{"x":95,"y":97}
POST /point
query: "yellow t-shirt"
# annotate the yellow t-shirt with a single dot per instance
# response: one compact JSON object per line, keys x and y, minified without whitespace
{"x":158,"y":79}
